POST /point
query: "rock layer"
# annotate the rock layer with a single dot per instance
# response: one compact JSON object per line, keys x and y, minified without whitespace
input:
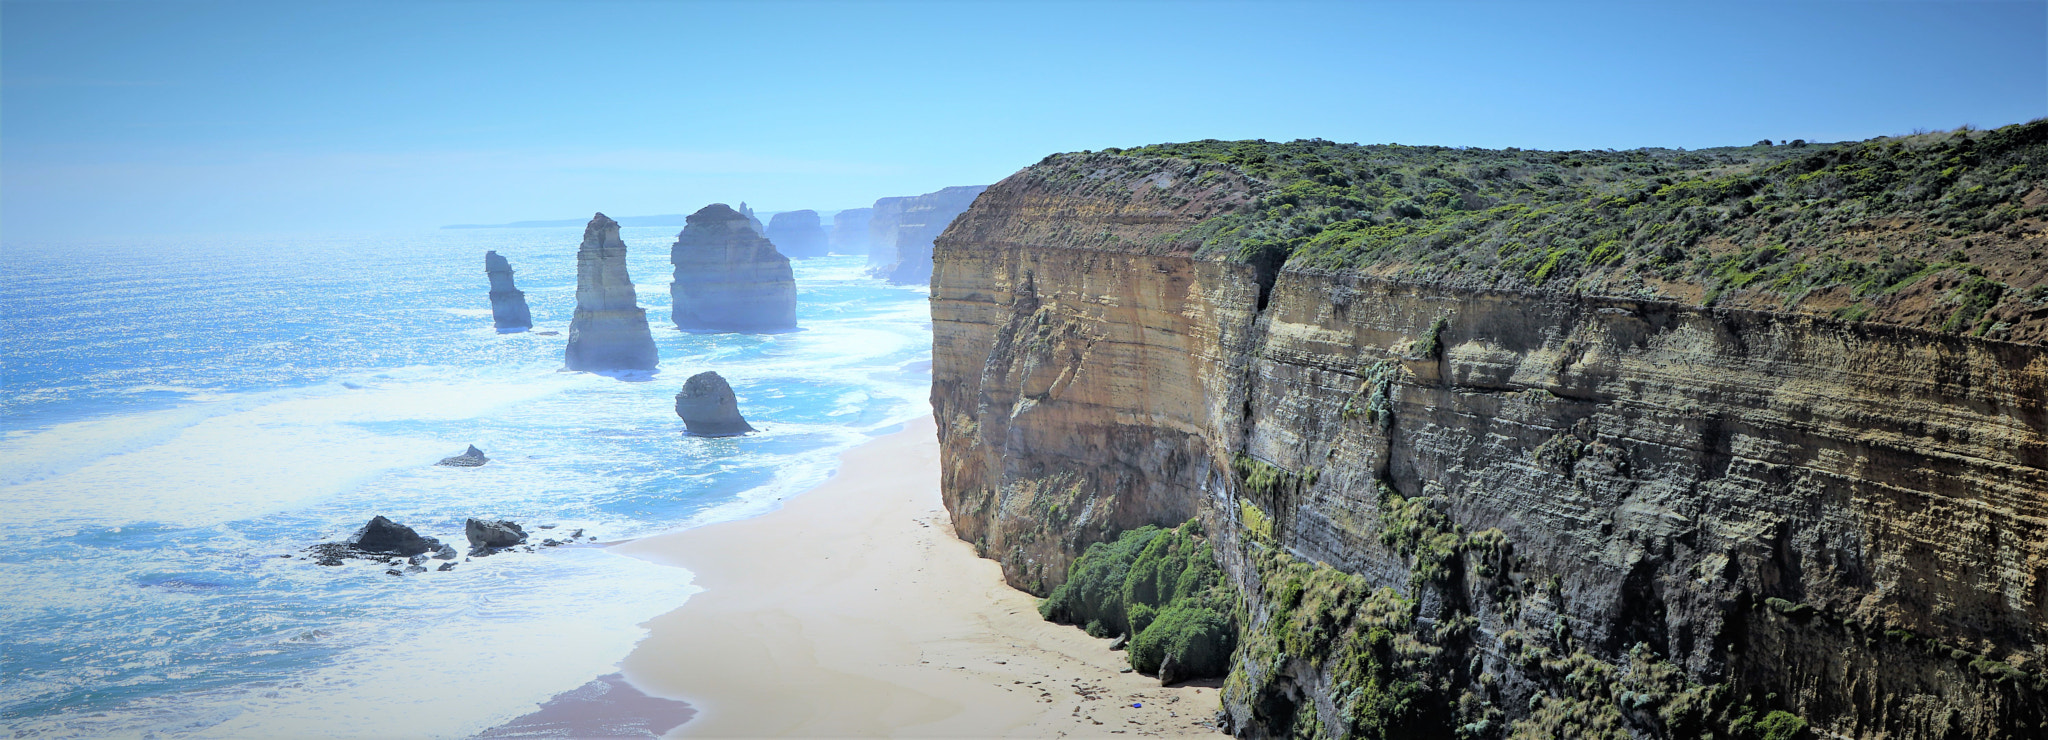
{"x":798,"y":234}
{"x":709,"y":408}
{"x":609,"y":331}
{"x":850,"y":231}
{"x":508,"y":303}
{"x":901,"y":231}
{"x":1843,"y":521}
{"x":728,"y":278}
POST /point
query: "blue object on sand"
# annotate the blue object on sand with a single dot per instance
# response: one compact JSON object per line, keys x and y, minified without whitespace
{"x":1137,"y":706}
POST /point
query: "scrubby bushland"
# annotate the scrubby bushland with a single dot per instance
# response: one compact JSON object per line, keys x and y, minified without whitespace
{"x":1163,"y":588}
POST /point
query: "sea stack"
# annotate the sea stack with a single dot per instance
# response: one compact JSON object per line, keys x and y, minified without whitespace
{"x":609,"y":331}
{"x":708,"y":407}
{"x":905,"y":228}
{"x":850,"y":231}
{"x":752,"y":222}
{"x":798,"y":234}
{"x":729,"y":278}
{"x":508,"y":304}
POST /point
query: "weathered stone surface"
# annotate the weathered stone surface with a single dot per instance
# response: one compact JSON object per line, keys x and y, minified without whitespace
{"x":382,"y":535}
{"x":1661,"y":470}
{"x":708,"y":407}
{"x":850,"y":231}
{"x":508,"y":303}
{"x":469,"y":458}
{"x":798,"y":234}
{"x":487,"y":533}
{"x":752,"y":222}
{"x":729,"y":278}
{"x":609,"y":331}
{"x":901,"y":231}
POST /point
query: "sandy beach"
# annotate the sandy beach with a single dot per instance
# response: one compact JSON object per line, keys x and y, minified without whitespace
{"x":854,"y":611}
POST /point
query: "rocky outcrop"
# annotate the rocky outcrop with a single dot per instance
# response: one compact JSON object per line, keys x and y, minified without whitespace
{"x":470,"y":458}
{"x":384,"y":536}
{"x":708,"y":407}
{"x":850,"y":231}
{"x":1509,"y":510}
{"x":484,"y":534}
{"x":902,"y":230}
{"x":508,"y":303}
{"x":798,"y":234}
{"x":752,"y":222}
{"x":609,"y":331}
{"x":729,"y":278}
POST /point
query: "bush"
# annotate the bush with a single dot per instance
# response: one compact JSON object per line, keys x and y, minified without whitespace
{"x":1781,"y":725}
{"x":1197,"y":638}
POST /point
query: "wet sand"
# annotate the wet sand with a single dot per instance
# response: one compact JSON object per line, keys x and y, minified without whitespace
{"x":854,"y":610}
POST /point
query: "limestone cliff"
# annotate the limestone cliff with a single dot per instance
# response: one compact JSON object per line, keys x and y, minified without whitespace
{"x":1464,"y":495}
{"x":903,"y":230}
{"x":850,"y":231}
{"x":609,"y":331}
{"x":729,"y":278}
{"x":508,"y":303}
{"x":798,"y":234}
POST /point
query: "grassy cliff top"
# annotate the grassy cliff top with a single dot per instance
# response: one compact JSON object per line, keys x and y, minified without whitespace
{"x":1940,"y":230}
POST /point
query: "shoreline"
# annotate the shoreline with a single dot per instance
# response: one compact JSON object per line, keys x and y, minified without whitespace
{"x":854,"y":610}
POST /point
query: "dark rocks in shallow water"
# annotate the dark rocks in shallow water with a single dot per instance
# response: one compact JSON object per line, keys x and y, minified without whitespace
{"x":609,"y":331}
{"x":470,"y":458}
{"x":728,"y":278}
{"x":489,"y":533}
{"x":382,"y":535}
{"x":445,"y":552}
{"x":709,"y":408}
{"x":446,"y":567}
{"x":798,"y":234}
{"x":508,"y":304}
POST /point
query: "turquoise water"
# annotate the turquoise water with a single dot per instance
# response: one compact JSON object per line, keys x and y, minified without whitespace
{"x":180,"y":414}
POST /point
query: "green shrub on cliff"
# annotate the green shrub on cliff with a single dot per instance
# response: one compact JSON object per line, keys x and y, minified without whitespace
{"x":1162,"y":587}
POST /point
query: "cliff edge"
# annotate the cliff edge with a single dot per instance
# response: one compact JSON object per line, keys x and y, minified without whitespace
{"x":1530,"y":444}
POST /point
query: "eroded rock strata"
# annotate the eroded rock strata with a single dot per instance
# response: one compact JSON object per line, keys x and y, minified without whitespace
{"x":609,"y":331}
{"x":850,"y":231}
{"x":1476,"y":469}
{"x":729,"y":278}
{"x":508,"y":303}
{"x":902,"y":230}
{"x":798,"y":234}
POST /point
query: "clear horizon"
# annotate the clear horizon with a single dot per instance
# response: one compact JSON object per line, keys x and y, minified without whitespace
{"x":137,"y":119}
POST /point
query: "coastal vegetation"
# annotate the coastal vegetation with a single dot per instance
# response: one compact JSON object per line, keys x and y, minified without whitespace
{"x":1163,"y":589}
{"x":1844,"y":227}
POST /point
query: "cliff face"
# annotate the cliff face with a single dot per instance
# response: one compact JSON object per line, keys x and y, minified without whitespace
{"x":903,"y":230}
{"x":1515,"y":510}
{"x":798,"y":234}
{"x":508,"y":303}
{"x":609,"y":330}
{"x":850,"y":231}
{"x":729,"y":278}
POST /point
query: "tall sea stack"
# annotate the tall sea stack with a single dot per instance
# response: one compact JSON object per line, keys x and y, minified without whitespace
{"x":850,"y":231}
{"x":729,"y":278}
{"x":798,"y":234}
{"x":752,"y":222}
{"x":909,"y":225}
{"x":508,"y":304}
{"x":609,"y":331}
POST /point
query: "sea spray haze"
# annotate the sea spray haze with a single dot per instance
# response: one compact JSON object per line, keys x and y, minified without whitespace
{"x":180,"y":414}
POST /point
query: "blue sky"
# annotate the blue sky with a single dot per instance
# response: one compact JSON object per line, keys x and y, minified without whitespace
{"x":181,"y":117}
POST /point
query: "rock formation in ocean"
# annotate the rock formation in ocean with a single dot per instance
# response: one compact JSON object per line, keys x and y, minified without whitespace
{"x":752,"y":222}
{"x":709,"y":408}
{"x":902,"y":229}
{"x":382,"y":535}
{"x":609,"y":331}
{"x":798,"y":234}
{"x":508,"y":303}
{"x":1653,"y":443}
{"x":850,"y":231}
{"x":470,"y":458}
{"x":484,"y":534}
{"x":729,"y":278}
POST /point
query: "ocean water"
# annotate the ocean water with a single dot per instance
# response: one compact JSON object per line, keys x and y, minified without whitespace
{"x":180,"y":414}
